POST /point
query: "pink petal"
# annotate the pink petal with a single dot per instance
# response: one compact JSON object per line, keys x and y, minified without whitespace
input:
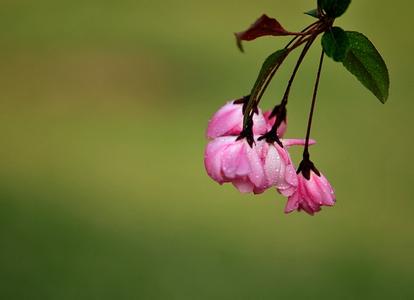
{"x":272,"y":166}
{"x":307,"y":208}
{"x":244,"y":186}
{"x":256,"y":174}
{"x":326,"y":191}
{"x":226,"y":121}
{"x":213,"y":157}
{"x":287,"y":192}
{"x":233,"y":159}
{"x":292,"y":203}
{"x":313,"y":190}
{"x":287,"y":175}
{"x":259,"y":124}
{"x":296,"y":142}
{"x":290,"y":175}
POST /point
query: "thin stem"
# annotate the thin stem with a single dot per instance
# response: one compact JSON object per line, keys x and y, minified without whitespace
{"x":270,"y":76}
{"x":315,"y":92}
{"x":309,"y":34}
{"x":303,"y":31}
{"x":295,"y":70}
{"x":280,"y":110}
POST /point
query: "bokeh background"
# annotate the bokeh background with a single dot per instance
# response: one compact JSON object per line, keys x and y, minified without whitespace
{"x":103,"y":193}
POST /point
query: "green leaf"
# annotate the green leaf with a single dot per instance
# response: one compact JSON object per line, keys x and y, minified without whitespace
{"x":334,"y":8}
{"x":364,"y":61}
{"x":269,"y":68}
{"x":335,"y":43}
{"x":313,"y":13}
{"x":271,"y":62}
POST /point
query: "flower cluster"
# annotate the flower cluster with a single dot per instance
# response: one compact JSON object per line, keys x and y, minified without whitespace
{"x":246,"y":147}
{"x":256,"y":158}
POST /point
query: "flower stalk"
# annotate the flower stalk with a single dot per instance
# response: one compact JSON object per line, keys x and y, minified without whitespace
{"x":307,"y":37}
{"x":314,"y":96}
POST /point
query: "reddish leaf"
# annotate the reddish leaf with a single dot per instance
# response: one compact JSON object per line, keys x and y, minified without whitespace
{"x":262,"y":27}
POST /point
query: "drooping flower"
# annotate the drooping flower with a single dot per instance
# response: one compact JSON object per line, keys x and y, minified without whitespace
{"x":278,"y":168}
{"x":240,"y":157}
{"x":230,"y":160}
{"x":228,"y":120}
{"x":277,"y":165}
{"x":252,"y":168}
{"x":313,"y":192}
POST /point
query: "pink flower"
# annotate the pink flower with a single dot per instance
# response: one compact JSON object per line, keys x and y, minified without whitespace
{"x":229,"y":160}
{"x":228,"y":120}
{"x":241,"y":158}
{"x":311,"y":194}
{"x":278,"y":168}
{"x":252,"y":169}
{"x":281,"y":130}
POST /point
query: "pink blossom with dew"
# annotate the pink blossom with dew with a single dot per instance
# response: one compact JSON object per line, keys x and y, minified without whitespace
{"x":228,"y":120}
{"x":252,"y":169}
{"x":278,"y":168}
{"x":311,"y":194}
{"x":230,"y":160}
{"x":249,"y":164}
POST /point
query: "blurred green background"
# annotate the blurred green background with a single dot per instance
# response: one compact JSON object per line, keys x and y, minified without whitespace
{"x":103,"y":193}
